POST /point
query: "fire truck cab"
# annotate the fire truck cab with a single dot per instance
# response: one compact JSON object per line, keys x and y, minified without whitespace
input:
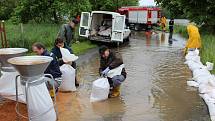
{"x":140,"y":18}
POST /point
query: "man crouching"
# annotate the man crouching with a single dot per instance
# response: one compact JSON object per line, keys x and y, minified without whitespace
{"x":112,"y":67}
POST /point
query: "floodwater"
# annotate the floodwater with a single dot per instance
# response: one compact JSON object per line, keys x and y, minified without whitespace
{"x":155,"y":88}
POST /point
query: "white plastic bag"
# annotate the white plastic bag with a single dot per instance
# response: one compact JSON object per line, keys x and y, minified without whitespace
{"x":210,"y":66}
{"x":100,"y":90}
{"x":200,"y":73}
{"x":7,"y":86}
{"x":68,"y":76}
{"x":67,"y":56}
{"x":203,"y":79}
{"x":192,"y":84}
{"x":205,"y":88}
{"x":116,"y":71}
{"x":39,"y":102}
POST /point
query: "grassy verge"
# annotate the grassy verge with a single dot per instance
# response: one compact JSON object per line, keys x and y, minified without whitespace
{"x":208,"y":44}
{"x":28,"y":34}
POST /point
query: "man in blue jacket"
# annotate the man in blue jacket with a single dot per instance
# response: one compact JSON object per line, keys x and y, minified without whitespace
{"x":53,"y":67}
{"x":56,"y":51}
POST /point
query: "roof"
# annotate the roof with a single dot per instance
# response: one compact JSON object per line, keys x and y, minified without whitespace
{"x":135,"y":8}
{"x":106,"y":12}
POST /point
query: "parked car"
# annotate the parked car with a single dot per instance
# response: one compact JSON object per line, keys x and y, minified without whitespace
{"x":104,"y":26}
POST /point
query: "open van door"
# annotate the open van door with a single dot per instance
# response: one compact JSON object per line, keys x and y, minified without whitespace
{"x":84,"y":24}
{"x":118,"y":28}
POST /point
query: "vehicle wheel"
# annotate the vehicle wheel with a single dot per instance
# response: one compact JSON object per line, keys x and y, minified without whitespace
{"x":136,"y":27}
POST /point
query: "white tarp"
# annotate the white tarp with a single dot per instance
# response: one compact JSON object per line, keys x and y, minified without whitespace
{"x":68,"y":78}
{"x":100,"y":90}
{"x":8,"y":88}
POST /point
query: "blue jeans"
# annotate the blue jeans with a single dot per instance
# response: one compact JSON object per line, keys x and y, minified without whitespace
{"x":116,"y":80}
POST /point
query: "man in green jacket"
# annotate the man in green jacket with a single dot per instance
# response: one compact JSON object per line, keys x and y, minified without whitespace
{"x":67,"y":31}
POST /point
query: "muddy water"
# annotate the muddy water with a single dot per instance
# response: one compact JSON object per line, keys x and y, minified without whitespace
{"x":155,"y":89}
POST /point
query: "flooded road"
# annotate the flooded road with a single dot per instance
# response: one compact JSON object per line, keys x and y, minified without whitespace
{"x":155,"y":88}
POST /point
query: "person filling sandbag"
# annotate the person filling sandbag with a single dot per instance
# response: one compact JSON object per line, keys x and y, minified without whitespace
{"x":194,"y":41}
{"x":59,"y":43}
{"x":52,"y":69}
{"x":110,"y":61}
{"x":68,"y":72}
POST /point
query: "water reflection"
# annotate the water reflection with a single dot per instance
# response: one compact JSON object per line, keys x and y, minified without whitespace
{"x":110,"y":110}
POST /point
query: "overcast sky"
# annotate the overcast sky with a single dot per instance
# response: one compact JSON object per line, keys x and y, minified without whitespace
{"x":147,"y":3}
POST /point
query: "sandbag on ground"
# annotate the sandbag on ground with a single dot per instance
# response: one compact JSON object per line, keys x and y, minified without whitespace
{"x":100,"y":90}
{"x":68,"y":76}
{"x":192,"y":84}
{"x":211,"y":105}
{"x":8,"y":88}
{"x":200,"y":72}
{"x":39,"y":102}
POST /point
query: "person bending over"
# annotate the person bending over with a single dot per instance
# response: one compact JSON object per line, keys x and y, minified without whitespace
{"x":110,"y":61}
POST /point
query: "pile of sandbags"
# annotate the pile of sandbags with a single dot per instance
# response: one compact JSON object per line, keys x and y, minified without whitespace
{"x":202,"y":79}
{"x":103,"y":31}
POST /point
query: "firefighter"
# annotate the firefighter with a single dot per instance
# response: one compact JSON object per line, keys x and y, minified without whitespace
{"x":110,"y":61}
{"x":163,"y":23}
{"x":194,"y":41}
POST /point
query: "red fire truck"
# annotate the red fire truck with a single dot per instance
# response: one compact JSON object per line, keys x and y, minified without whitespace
{"x":140,"y":18}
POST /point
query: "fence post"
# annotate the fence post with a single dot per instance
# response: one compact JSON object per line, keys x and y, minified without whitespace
{"x":4,"y":42}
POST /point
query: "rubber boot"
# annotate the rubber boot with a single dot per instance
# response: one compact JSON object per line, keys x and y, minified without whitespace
{"x":115,"y":92}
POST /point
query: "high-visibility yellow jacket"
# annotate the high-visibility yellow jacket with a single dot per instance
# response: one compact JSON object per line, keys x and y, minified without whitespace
{"x":194,"y":40}
{"x":163,"y":23}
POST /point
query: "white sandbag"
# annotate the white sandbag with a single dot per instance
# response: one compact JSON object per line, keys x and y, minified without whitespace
{"x":67,"y":56}
{"x":211,"y":105}
{"x":39,"y":102}
{"x":209,"y":66}
{"x":212,"y":81}
{"x":192,"y":84}
{"x":68,"y":78}
{"x":200,"y":72}
{"x":193,"y":58}
{"x":100,"y":90}
{"x":212,"y":94}
{"x":116,"y":71}
{"x":194,"y":65}
{"x":203,"y":79}
{"x":193,"y":53}
{"x":8,"y":88}
{"x":205,"y":88}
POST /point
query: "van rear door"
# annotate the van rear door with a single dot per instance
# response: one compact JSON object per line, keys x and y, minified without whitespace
{"x":84,"y":24}
{"x":118,"y":28}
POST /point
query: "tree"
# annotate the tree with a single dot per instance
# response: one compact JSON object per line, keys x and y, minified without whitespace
{"x":111,"y":5}
{"x":6,"y":8}
{"x":48,"y":10}
{"x":199,"y":11}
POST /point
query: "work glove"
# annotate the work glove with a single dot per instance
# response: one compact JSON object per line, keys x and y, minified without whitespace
{"x":105,"y":72}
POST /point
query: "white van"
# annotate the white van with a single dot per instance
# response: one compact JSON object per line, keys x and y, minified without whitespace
{"x":104,"y":26}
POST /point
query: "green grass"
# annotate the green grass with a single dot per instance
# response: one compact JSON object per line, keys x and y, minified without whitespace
{"x":82,"y":47}
{"x":44,"y":33}
{"x":208,"y":44}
